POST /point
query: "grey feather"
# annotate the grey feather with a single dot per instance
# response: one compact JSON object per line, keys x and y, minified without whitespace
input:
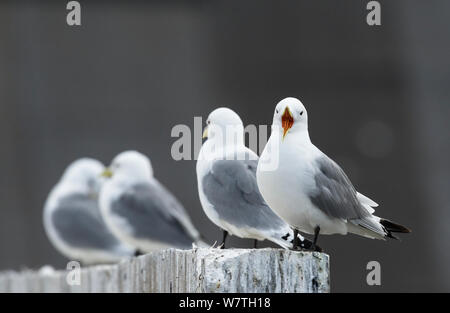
{"x":78,"y":222}
{"x":231,"y":188}
{"x":154,"y":214}
{"x":335,"y":194}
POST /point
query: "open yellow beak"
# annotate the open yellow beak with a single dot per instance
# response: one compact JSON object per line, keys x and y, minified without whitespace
{"x":205,"y":133}
{"x":287,"y":120}
{"x":107,"y":173}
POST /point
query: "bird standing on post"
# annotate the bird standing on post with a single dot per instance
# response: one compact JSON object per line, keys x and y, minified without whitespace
{"x":308,"y":189}
{"x":72,"y":217}
{"x":142,"y":212}
{"x":226,"y":176}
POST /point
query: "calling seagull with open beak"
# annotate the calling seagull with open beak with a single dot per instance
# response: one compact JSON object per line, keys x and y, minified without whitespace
{"x":287,"y":120}
{"x":317,"y":196}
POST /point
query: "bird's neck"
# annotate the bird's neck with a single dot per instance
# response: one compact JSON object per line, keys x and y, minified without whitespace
{"x":299,"y":135}
{"x":302,"y":135}
{"x":217,"y":148}
{"x":67,"y":188}
{"x":131,"y":179}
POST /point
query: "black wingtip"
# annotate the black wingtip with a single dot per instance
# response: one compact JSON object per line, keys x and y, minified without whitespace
{"x":392,"y":227}
{"x":390,"y":235}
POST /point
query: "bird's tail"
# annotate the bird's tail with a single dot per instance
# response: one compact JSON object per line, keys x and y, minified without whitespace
{"x":392,"y":227}
{"x":376,"y":228}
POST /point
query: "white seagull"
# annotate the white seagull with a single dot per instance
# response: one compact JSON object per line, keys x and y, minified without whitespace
{"x":309,"y":190}
{"x":142,"y":212}
{"x":228,"y":192}
{"x":72,"y":217}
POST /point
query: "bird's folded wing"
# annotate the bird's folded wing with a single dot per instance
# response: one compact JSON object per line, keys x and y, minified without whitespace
{"x":177,"y":210}
{"x":366,"y":200}
{"x":78,"y":222}
{"x":152,"y":213}
{"x":334,"y":194}
{"x":230,"y":186}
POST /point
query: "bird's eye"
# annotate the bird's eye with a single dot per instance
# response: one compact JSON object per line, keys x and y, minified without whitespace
{"x":276,"y":110}
{"x":301,"y":113}
{"x":208,"y":122}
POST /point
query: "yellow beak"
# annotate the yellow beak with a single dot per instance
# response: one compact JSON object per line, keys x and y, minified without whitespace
{"x":107,"y":173}
{"x":205,"y":133}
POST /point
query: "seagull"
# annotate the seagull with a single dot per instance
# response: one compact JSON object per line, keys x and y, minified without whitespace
{"x":73,"y":221}
{"x":228,"y":192}
{"x":142,"y":212}
{"x":309,"y":190}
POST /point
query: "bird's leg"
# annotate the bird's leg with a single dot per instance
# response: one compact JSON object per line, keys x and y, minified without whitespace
{"x":225,"y":234}
{"x":255,"y":244}
{"x":316,"y":235}
{"x":296,"y":242}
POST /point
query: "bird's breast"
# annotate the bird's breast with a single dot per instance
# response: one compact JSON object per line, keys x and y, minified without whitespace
{"x":286,"y":187}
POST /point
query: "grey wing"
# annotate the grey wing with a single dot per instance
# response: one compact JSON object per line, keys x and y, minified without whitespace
{"x":153,"y":214}
{"x":176,"y":209}
{"x":232,"y":189}
{"x":78,"y":222}
{"x":334,"y":193}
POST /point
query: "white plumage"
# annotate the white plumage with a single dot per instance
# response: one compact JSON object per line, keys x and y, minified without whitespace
{"x":309,"y":190}
{"x":226,"y":176}
{"x":142,"y":212}
{"x":72,"y":217}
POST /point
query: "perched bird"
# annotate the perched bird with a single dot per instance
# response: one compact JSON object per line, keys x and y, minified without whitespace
{"x":140,"y":211}
{"x":72,"y":217}
{"x":308,"y":189}
{"x":226,"y":176}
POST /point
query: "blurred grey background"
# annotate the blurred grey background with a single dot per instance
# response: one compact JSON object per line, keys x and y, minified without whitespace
{"x":378,"y":101}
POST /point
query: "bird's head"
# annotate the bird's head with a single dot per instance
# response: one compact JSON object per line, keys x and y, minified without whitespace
{"x":291,"y":116}
{"x":225,"y":125}
{"x":129,"y":165}
{"x":84,"y":172}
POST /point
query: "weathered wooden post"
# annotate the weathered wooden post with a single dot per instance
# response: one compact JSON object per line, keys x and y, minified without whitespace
{"x":198,"y":270}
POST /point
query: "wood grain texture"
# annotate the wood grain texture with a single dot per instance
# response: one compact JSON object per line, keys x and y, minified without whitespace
{"x":198,"y":270}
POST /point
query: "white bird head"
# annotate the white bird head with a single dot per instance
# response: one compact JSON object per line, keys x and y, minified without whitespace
{"x":130,"y":165}
{"x":84,"y":172}
{"x":224,"y":123}
{"x":290,"y":115}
